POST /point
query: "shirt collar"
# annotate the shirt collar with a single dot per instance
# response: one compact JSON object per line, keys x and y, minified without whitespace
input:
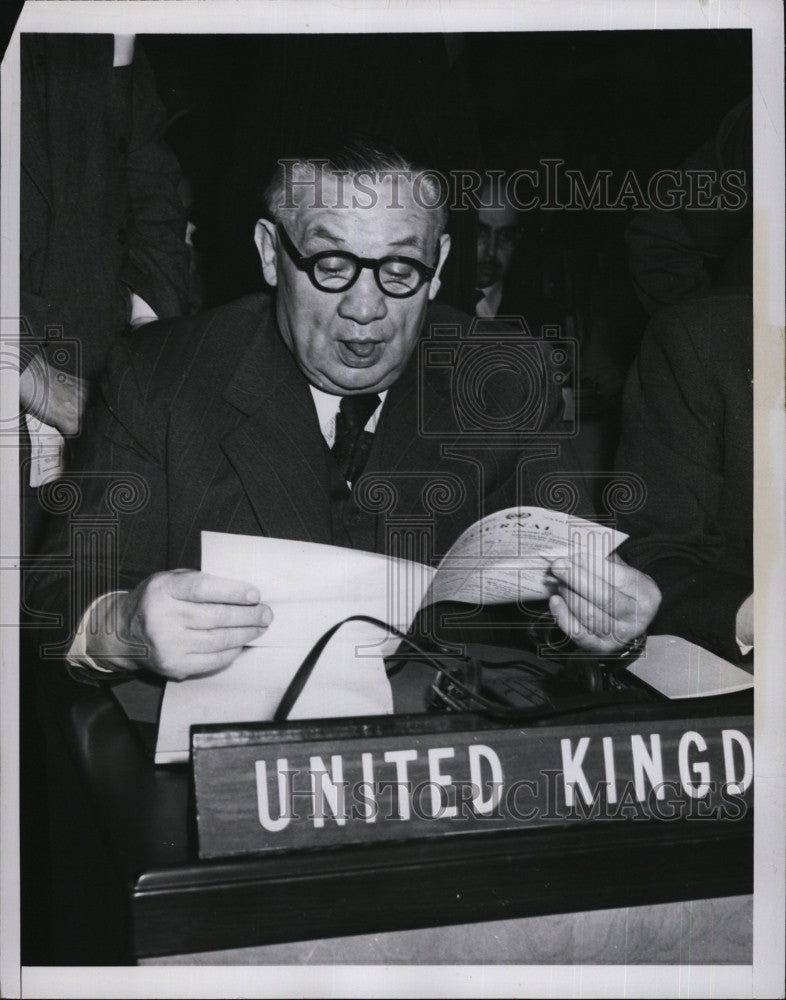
{"x":327,"y":407}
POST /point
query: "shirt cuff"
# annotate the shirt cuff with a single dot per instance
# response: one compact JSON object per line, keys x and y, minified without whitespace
{"x":46,"y":451}
{"x":123,"y":54}
{"x":141,"y":312}
{"x":77,"y":656}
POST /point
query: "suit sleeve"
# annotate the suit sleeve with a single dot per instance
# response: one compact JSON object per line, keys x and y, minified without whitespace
{"x":107,"y":526}
{"x":672,"y":437}
{"x":157,"y":263}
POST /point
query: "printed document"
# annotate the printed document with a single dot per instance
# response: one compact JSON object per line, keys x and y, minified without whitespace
{"x":503,"y":558}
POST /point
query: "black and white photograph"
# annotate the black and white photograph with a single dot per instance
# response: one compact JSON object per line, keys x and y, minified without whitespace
{"x":392,"y":444}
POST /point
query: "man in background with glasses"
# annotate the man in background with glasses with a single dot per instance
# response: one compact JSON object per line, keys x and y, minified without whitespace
{"x":261,"y":416}
{"x":499,"y":233}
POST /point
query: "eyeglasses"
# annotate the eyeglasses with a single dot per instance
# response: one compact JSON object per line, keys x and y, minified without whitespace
{"x":336,"y":270}
{"x":507,"y":238}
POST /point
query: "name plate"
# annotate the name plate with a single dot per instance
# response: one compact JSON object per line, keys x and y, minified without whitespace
{"x":324,"y":783}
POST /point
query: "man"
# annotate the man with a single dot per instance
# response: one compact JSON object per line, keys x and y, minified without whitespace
{"x":499,"y":233}
{"x":510,"y":271}
{"x":689,"y":245}
{"x":225,"y":422}
{"x":687,"y":430}
{"x":509,"y":268}
{"x":102,"y":230}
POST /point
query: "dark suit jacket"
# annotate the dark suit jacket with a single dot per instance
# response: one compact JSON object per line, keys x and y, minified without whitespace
{"x":100,"y":212}
{"x":687,"y":430}
{"x":206,"y":423}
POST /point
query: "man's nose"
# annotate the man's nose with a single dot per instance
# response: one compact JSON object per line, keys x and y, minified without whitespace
{"x":365,"y":301}
{"x":489,"y":252}
{"x":488,"y":247}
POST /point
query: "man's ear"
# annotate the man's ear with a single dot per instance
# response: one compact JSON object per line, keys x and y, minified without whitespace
{"x":266,"y":239}
{"x":444,"y":250}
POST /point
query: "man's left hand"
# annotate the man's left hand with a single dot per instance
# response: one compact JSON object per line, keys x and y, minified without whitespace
{"x":602,"y":606}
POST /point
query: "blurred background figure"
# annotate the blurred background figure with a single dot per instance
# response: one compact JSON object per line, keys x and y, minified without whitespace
{"x":687,"y":431}
{"x":513,"y":276}
{"x":102,"y":232}
{"x":499,"y":233}
{"x":687,"y":418}
{"x":102,"y":250}
{"x":680,"y":253}
{"x":512,"y":279}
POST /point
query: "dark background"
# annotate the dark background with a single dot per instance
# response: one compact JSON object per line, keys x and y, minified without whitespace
{"x":620,"y":100}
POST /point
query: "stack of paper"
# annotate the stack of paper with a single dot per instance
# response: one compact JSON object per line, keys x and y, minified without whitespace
{"x":502,"y":558}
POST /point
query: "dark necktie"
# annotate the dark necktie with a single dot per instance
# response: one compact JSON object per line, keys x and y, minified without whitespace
{"x":352,"y":443}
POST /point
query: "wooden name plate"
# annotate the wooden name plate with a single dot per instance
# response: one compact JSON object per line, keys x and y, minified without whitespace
{"x":323,"y":783}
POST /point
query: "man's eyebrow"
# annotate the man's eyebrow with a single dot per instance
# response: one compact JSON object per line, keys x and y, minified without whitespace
{"x":321,"y":232}
{"x":409,"y":241}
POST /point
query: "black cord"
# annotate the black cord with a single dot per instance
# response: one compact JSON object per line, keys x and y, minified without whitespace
{"x":484,"y":705}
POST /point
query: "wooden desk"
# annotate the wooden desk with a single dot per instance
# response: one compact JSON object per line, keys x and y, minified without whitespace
{"x":129,"y":884}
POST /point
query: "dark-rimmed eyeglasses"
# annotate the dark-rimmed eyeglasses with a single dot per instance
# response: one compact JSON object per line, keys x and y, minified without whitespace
{"x":337,"y":270}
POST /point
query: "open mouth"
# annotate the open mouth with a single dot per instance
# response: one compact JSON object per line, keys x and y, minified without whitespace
{"x":360,"y":353}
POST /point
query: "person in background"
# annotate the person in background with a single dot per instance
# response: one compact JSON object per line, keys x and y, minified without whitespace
{"x":679,"y":253}
{"x":102,"y":232}
{"x":687,"y":420}
{"x":510,"y":273}
{"x":687,"y":431}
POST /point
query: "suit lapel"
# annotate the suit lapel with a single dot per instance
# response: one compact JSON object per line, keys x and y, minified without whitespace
{"x":403,"y":441}
{"x":283,"y":462}
{"x":278,"y":451}
{"x":409,"y":443}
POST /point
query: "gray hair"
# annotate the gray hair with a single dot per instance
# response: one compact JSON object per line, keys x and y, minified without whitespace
{"x":358,"y":155}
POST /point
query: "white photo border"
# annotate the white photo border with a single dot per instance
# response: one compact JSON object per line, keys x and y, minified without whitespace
{"x":765,"y":977}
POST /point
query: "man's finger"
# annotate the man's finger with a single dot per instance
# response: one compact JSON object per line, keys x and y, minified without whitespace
{"x":576,"y":631}
{"x":211,"y":616}
{"x":200,"y":664}
{"x":605,"y":584}
{"x":204,"y":588}
{"x":219,"y":640}
{"x":595,"y":618}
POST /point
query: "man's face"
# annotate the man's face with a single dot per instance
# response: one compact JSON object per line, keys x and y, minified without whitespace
{"x":498,"y":232}
{"x":358,"y":340}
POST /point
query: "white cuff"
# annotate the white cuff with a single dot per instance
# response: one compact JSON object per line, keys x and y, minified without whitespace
{"x":77,"y":655}
{"x":46,"y":451}
{"x":141,"y":312}
{"x":124,"y":50}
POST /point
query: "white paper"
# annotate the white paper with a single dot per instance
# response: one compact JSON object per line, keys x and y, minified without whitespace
{"x":312,"y":587}
{"x":680,"y":669}
{"x":504,"y":557}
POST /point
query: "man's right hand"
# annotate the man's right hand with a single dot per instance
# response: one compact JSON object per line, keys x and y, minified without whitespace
{"x":191,"y":623}
{"x":55,"y":398}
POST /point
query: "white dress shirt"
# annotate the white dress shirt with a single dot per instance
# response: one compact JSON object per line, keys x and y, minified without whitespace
{"x":327,"y":410}
{"x":490,"y":303}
